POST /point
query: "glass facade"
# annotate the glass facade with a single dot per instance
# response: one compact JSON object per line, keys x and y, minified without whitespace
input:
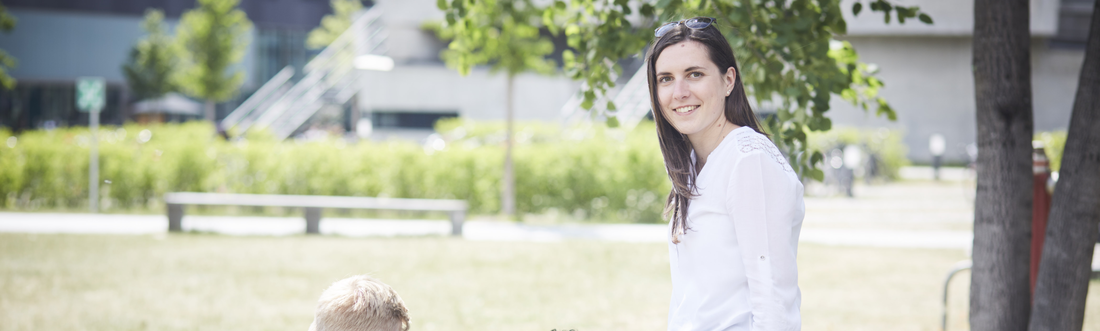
{"x":34,"y":105}
{"x":279,"y":41}
{"x":277,"y":48}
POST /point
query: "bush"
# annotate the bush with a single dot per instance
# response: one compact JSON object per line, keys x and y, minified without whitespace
{"x":1054,"y":143}
{"x":884,"y":143}
{"x":585,"y":172}
{"x":588,"y":172}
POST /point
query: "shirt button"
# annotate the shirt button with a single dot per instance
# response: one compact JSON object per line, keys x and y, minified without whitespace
{"x":761,"y":258}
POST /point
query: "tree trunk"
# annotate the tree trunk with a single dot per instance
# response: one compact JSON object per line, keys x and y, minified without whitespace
{"x":1065,"y":268}
{"x":508,"y":198}
{"x":208,"y":111}
{"x":999,"y":287}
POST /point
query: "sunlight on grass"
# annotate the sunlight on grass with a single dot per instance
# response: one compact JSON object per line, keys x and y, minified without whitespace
{"x":194,"y":281}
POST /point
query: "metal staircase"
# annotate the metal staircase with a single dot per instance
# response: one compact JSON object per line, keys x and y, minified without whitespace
{"x":282,"y":105}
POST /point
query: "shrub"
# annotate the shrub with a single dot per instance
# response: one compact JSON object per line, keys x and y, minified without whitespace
{"x":591,"y":172}
{"x":884,"y":143}
{"x":1054,"y":143}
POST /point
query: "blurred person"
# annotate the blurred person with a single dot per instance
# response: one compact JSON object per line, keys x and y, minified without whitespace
{"x":360,"y":303}
{"x":736,"y":204}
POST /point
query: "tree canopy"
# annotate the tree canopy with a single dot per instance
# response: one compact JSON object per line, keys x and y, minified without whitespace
{"x":212,"y":39}
{"x":791,"y":59}
{"x":503,"y":34}
{"x":152,"y":60}
{"x":334,"y":24}
{"x":7,"y":62}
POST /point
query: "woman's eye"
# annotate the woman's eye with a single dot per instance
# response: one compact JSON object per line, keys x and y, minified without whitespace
{"x":664,"y":79}
{"x":695,"y":74}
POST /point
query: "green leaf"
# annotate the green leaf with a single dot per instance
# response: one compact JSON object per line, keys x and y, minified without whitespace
{"x":925,"y":18}
{"x":568,"y":57}
{"x":816,"y":157}
{"x":817,"y":175}
{"x":611,"y":106}
{"x":441,"y":4}
{"x":586,"y":104}
{"x":612,"y":122}
{"x":856,"y":8}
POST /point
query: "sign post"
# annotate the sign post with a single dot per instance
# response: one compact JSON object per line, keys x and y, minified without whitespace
{"x":90,"y":97}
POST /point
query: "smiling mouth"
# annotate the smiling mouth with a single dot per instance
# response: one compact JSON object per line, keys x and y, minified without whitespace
{"x":685,"y":109}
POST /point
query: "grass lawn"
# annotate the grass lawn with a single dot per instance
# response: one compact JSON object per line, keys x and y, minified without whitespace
{"x":213,"y":282}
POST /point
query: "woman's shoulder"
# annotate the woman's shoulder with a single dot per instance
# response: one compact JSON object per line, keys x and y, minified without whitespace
{"x":748,"y":142}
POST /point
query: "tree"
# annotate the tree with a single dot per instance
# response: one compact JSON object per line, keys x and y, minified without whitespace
{"x":212,"y":39}
{"x":7,"y":62}
{"x":1064,"y":268}
{"x":503,"y":34}
{"x":790,"y":59}
{"x":334,"y":24}
{"x":999,"y":287}
{"x":152,"y":60}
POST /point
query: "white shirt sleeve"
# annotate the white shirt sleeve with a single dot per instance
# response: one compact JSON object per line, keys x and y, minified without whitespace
{"x":763,"y":201}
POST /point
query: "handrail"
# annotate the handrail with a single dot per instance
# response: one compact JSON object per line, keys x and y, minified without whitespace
{"x":283,"y":106}
{"x":960,"y":266}
{"x":257,"y":97}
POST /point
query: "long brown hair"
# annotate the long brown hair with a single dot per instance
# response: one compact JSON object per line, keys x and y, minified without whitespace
{"x":674,"y":145}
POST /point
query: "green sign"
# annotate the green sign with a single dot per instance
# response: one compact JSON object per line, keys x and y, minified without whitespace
{"x":90,"y":94}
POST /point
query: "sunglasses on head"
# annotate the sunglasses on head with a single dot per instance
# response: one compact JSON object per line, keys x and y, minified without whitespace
{"x":692,"y":23}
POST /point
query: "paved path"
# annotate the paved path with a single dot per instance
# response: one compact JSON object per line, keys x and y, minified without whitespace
{"x":917,"y":214}
{"x":474,"y":230}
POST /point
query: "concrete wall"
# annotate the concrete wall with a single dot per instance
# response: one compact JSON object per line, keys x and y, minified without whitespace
{"x":951,"y":18}
{"x":930,"y":84}
{"x":421,"y":83}
{"x":481,"y":95}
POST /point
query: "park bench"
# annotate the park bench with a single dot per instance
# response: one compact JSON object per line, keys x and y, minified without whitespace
{"x":312,"y":204}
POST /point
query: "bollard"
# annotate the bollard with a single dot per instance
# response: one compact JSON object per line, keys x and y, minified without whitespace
{"x":1040,"y":208}
{"x":175,"y":217}
{"x":313,"y":220}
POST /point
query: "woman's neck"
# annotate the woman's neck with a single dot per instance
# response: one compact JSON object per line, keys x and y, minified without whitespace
{"x":706,"y":141}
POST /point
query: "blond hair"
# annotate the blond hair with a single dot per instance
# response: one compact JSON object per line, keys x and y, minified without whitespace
{"x":360,"y":303}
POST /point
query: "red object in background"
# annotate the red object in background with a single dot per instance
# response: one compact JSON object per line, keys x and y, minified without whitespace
{"x":1040,"y":208}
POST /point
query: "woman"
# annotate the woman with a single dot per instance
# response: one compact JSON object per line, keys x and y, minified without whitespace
{"x":736,"y":204}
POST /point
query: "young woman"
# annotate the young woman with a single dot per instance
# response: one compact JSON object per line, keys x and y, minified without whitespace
{"x":736,"y":204}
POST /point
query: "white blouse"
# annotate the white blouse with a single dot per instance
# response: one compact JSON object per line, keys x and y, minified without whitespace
{"x":735,"y":267}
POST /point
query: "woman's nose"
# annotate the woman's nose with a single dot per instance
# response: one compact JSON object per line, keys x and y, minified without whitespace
{"x":680,"y":90}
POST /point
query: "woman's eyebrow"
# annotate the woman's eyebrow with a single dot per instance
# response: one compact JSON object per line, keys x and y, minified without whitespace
{"x":689,"y":69}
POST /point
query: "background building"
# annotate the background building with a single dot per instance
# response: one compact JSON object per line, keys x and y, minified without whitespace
{"x":928,"y":77}
{"x":926,"y":68}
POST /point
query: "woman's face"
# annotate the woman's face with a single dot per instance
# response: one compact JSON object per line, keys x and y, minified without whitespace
{"x":692,"y":89}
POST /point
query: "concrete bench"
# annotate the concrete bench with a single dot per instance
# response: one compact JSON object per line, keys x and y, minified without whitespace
{"x":312,"y":204}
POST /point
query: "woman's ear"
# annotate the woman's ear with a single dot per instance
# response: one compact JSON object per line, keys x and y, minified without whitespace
{"x":730,"y":79}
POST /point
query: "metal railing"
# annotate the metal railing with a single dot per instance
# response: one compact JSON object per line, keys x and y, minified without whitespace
{"x":282,"y":106}
{"x":960,"y":266}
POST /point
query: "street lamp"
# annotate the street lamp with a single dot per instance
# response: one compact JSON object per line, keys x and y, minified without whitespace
{"x":936,"y":144}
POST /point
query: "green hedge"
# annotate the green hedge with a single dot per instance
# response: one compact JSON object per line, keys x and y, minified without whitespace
{"x":591,"y":173}
{"x":585,"y":172}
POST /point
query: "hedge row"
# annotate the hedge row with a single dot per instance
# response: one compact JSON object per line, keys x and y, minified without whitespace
{"x":603,"y":174}
{"x":587,"y":172}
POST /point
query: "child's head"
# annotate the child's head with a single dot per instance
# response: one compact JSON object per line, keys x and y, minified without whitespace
{"x":360,"y":303}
